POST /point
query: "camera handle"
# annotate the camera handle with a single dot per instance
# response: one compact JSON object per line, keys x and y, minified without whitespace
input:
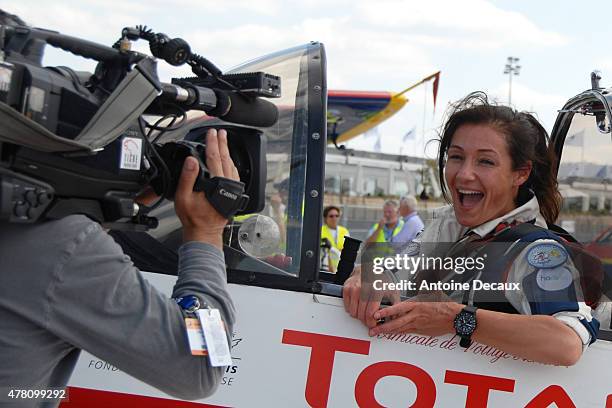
{"x":23,"y":36}
{"x":225,"y":195}
{"x":23,"y":199}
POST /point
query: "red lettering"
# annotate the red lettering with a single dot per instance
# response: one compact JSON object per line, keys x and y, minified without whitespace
{"x":550,"y":394}
{"x":478,"y":386}
{"x":321,"y":364}
{"x":367,"y":380}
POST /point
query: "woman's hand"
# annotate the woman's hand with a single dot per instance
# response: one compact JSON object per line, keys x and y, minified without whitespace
{"x":414,"y":316}
{"x":354,"y":305}
{"x":281,"y":261}
{"x":363,"y":304}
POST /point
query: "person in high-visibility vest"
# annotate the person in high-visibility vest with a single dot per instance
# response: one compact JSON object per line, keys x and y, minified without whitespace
{"x":389,"y":226}
{"x":335,"y":234}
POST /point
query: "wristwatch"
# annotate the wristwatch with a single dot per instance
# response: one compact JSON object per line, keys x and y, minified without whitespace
{"x":465,"y":324}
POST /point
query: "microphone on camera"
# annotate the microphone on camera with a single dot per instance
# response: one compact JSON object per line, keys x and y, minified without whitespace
{"x":229,"y":106}
{"x":245,"y":110}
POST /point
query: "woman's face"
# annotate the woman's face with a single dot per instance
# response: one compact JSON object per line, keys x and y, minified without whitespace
{"x":479,"y":175}
{"x":332,"y":218}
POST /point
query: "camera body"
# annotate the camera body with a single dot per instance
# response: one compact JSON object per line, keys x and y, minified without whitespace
{"x":74,"y":142}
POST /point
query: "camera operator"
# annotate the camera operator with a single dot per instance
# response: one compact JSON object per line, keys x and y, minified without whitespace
{"x":65,"y":285}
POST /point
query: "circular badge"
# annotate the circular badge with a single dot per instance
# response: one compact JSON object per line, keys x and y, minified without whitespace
{"x":554,"y":279}
{"x":545,"y":256}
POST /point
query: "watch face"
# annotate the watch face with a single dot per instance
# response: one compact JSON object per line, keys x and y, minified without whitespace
{"x":465,"y":323}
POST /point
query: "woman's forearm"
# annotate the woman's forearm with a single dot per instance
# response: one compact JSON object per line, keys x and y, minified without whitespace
{"x":539,"y":338}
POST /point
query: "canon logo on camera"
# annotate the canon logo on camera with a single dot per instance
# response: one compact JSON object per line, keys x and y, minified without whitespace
{"x":227,"y":194}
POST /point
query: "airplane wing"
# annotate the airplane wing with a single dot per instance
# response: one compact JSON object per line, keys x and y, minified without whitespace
{"x":351,"y":113}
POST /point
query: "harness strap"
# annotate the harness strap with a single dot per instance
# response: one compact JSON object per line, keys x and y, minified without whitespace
{"x":500,"y":258}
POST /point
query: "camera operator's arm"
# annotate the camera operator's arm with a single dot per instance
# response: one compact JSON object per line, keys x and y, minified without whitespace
{"x":103,"y":305}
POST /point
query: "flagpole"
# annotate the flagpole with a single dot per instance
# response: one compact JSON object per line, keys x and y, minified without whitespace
{"x":411,"y":87}
{"x":424,"y":116}
{"x":424,"y":192}
{"x":582,"y":155}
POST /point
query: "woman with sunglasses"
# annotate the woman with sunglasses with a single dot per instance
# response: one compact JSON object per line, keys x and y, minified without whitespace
{"x":332,"y":237}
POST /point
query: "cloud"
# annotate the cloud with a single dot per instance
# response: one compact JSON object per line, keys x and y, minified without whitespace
{"x":207,"y":8}
{"x":94,"y":20}
{"x":99,"y":22}
{"x":382,"y":45}
{"x":544,"y":105}
{"x":355,"y":54}
{"x":467,"y":23}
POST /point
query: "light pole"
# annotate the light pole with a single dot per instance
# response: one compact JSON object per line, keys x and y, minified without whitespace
{"x":511,"y":69}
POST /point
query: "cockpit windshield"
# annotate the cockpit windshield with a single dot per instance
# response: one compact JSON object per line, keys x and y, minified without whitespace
{"x":268,"y":241}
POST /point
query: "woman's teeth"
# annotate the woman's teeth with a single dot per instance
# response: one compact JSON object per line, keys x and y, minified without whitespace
{"x":469,"y":198}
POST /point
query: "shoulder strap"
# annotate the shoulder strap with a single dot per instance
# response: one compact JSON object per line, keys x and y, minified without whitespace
{"x":500,"y":257}
{"x":525,"y":232}
{"x":562,"y":233}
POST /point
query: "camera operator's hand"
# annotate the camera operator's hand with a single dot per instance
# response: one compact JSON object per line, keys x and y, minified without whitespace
{"x":201,"y":222}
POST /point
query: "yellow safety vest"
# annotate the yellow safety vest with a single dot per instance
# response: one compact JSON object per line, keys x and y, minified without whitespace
{"x":338,"y":244}
{"x":381,"y":234}
{"x":342,"y":232}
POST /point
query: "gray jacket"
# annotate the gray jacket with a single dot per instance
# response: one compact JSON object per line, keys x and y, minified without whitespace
{"x":65,"y":285}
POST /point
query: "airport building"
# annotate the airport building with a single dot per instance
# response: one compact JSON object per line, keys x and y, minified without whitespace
{"x":360,"y":181}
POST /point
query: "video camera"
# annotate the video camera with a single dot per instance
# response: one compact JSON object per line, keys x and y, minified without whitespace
{"x":74,"y":142}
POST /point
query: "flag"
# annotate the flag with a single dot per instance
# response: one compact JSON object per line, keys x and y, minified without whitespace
{"x":436,"y":78}
{"x":575,"y":170}
{"x":602,"y":173}
{"x":577,"y":139}
{"x":410,"y":135}
{"x":377,"y":145}
{"x":435,"y":89}
{"x":373,"y":132}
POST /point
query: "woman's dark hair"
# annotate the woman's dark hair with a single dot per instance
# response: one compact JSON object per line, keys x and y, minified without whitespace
{"x":328,"y":209}
{"x":526,"y":139}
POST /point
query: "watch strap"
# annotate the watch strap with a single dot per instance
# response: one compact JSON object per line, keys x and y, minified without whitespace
{"x":469,"y":309}
{"x":466,"y":340}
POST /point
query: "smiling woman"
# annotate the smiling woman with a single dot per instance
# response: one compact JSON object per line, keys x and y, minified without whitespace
{"x":497,"y":173}
{"x":480,"y":176}
{"x":502,"y":154}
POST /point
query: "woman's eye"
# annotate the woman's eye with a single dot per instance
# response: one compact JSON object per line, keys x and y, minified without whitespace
{"x":455,"y":157}
{"x":487,"y":162}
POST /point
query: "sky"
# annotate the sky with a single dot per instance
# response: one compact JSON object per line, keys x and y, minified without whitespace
{"x":374,"y":45}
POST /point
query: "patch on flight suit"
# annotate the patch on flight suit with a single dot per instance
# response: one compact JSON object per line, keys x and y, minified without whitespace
{"x":554,"y":279}
{"x":546,"y":256}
